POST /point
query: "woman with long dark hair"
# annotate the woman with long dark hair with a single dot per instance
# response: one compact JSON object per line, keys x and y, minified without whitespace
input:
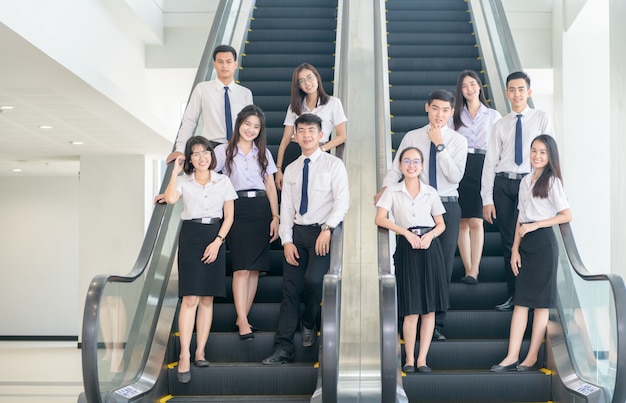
{"x":535,"y":253}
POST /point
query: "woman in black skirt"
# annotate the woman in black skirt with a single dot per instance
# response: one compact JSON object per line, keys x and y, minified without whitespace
{"x":542,"y":204}
{"x":420,"y":273}
{"x":473,"y":118}
{"x":207,"y":197}
{"x":250,"y":167}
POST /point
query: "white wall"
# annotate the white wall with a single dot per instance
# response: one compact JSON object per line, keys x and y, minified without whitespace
{"x":39,"y":260}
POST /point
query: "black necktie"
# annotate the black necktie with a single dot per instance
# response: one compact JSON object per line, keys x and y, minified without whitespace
{"x":518,"y":140}
{"x":432,"y":166}
{"x":304,"y":201}
{"x":227,"y":115}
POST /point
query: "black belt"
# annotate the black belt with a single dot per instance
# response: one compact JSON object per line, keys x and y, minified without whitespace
{"x":206,"y":220}
{"x":421,"y":230}
{"x":510,"y":175}
{"x":476,"y":151}
{"x":251,"y":193}
{"x":449,"y":199}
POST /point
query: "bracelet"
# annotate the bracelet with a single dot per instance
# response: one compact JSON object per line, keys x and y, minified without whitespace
{"x":220,"y":237}
{"x":323,"y":149}
{"x":275,"y":216}
{"x":434,"y":234}
{"x":279,"y":168}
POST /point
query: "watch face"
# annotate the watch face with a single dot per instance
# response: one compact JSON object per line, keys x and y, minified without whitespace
{"x":440,"y":147}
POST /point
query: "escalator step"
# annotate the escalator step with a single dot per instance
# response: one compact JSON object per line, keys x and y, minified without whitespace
{"x":240,"y":398}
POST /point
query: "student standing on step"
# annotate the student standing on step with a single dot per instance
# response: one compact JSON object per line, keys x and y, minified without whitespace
{"x":308,"y":96}
{"x":217,"y":101}
{"x":207,"y":197}
{"x":445,"y":153}
{"x":507,"y":162}
{"x":535,"y":252}
{"x":250,"y":167}
{"x":418,"y":260}
{"x":314,"y":201}
{"x":473,"y":118}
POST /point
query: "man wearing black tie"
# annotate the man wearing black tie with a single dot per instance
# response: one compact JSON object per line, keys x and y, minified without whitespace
{"x":314,"y":201}
{"x":217,"y":101}
{"x":445,"y":156}
{"x":507,"y":161}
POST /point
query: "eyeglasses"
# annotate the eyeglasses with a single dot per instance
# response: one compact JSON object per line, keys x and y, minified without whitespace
{"x":415,"y":162}
{"x":308,"y":79}
{"x":205,"y":154}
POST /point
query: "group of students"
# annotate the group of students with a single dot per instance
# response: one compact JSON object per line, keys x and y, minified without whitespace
{"x":466,"y":164}
{"x":229,"y":194}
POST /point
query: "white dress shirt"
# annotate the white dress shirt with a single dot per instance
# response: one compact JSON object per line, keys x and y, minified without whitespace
{"x":207,"y":99}
{"x":246,"y":172}
{"x":477,"y":130}
{"x":533,"y":209}
{"x":328,"y":194}
{"x":331,"y":113}
{"x":204,"y":201}
{"x":500,"y":155}
{"x":409,"y":212}
{"x":450,"y":162}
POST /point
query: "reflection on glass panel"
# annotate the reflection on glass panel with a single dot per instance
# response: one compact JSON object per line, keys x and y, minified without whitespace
{"x":589,"y":324}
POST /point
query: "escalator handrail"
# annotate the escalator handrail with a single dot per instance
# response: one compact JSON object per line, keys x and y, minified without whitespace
{"x":619,"y":294}
{"x":93,"y":300}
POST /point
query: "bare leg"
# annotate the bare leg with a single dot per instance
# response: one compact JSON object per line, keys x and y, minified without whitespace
{"x":540,"y":323}
{"x":253,"y":282}
{"x":519,"y":320}
{"x":204,"y":320}
{"x":186,"y":319}
{"x":240,"y":297}
{"x":477,"y":240}
{"x":426,"y":332}
{"x":409,"y":330}
{"x":464,"y":243}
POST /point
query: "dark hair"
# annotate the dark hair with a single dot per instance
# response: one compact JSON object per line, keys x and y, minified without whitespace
{"x":441,"y":95}
{"x":223,"y":49}
{"x":187,"y":166}
{"x":297,"y":95}
{"x":553,"y":169}
{"x":517,"y":75}
{"x":309,"y":118}
{"x":460,"y":100}
{"x":409,"y":149}
{"x":260,"y":140}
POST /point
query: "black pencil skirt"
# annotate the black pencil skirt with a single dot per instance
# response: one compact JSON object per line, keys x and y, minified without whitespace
{"x":249,"y":237}
{"x":535,"y":285}
{"x":469,"y":188}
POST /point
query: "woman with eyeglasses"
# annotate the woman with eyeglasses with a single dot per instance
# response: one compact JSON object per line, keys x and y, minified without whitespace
{"x":308,"y":96}
{"x":420,"y":274}
{"x":250,"y":167}
{"x":208,"y":211}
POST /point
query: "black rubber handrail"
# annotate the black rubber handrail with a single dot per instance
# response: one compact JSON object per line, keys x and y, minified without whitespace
{"x":619,"y":302}
{"x":93,"y":300}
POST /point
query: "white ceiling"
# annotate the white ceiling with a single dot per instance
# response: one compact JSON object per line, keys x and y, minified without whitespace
{"x":42,"y":92}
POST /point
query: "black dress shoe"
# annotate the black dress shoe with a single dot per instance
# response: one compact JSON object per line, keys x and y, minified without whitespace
{"x":183,"y":377}
{"x":201,"y":363}
{"x":424,"y":369}
{"x":407,"y":369}
{"x":279,"y":357}
{"x":504,"y":368}
{"x":506,"y":306}
{"x":308,"y":336}
{"x":438,"y":336}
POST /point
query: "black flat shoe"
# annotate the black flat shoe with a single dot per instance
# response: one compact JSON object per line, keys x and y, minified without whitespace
{"x":469,"y":280}
{"x":424,"y":369}
{"x":407,"y":369}
{"x":524,"y":368}
{"x":504,"y":368}
{"x":506,"y":306}
{"x":183,"y":377}
{"x":246,"y":337}
{"x":201,"y":363}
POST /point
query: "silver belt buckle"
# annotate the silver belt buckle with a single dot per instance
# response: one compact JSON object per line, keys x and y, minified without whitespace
{"x":250,"y":193}
{"x":471,"y":151}
{"x":512,"y":176}
{"x":206,"y":220}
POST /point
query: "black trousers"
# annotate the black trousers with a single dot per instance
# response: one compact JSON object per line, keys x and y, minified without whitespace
{"x":301,"y":283}
{"x":505,"y":197}
{"x":448,"y":242}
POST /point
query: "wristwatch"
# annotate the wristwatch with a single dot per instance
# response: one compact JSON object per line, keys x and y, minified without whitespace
{"x":326,"y":227}
{"x":440,"y":147}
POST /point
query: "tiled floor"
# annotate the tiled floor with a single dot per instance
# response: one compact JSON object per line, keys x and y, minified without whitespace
{"x":40,"y":372}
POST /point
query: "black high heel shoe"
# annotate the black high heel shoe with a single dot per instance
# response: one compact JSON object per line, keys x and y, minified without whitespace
{"x":247,"y":336}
